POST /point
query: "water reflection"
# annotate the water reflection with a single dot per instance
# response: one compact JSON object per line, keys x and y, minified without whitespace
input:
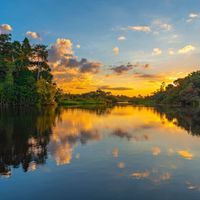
{"x":27,"y":137}
{"x":24,"y":136}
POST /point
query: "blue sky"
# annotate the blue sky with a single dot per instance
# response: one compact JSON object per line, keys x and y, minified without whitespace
{"x":97,"y":25}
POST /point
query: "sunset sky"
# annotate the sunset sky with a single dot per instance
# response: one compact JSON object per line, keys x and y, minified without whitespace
{"x":126,"y":47}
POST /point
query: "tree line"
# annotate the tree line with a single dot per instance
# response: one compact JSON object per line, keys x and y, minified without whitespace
{"x":182,"y":92}
{"x":25,"y":76}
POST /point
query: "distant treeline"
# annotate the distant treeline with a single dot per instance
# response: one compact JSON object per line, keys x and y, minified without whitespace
{"x":183,"y":92}
{"x":25,"y":76}
{"x":94,"y":97}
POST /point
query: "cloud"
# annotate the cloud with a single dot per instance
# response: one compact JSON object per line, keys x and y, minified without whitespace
{"x":128,"y":67}
{"x":33,"y":35}
{"x":5,"y":28}
{"x":116,"y":50}
{"x":186,"y":49}
{"x":171,"y":52}
{"x":61,"y":53}
{"x":70,"y":72}
{"x":122,"y":68}
{"x":121,"y":38}
{"x":78,"y":46}
{"x":161,"y":25}
{"x":87,"y":66}
{"x":62,"y":48}
{"x":148,"y":76}
{"x":156,"y":52}
{"x":107,"y":87}
{"x":192,"y":17}
{"x":145,"y":29}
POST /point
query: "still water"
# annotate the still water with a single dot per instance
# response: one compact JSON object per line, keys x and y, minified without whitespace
{"x":121,"y":152}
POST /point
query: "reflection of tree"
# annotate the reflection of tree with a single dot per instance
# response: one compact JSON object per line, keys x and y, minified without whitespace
{"x":97,"y":109}
{"x":187,"y":118}
{"x":24,"y":135}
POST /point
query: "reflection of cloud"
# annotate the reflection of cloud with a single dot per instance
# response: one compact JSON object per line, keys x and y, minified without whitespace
{"x":185,"y":154}
{"x":191,"y":186}
{"x":170,"y":151}
{"x":6,"y":174}
{"x":62,"y":153}
{"x":74,"y":128}
{"x":115,"y":152}
{"x":121,"y":165}
{"x":140,"y":175}
{"x":156,"y":151}
{"x":32,"y":166}
{"x":153,"y":176}
{"x":163,"y":177}
{"x":78,"y":156}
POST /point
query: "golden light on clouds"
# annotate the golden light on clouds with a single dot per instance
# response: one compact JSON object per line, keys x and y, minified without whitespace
{"x":116,"y":50}
{"x":186,"y":154}
{"x":187,"y":49}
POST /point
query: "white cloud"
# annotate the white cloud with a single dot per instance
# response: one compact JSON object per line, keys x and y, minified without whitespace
{"x":78,"y":46}
{"x":192,"y":17}
{"x":186,"y":49}
{"x":145,"y":29}
{"x":33,"y":35}
{"x":116,"y":50}
{"x":156,"y":52}
{"x":171,"y":52}
{"x":5,"y":28}
{"x":121,"y":38}
{"x":161,"y":25}
{"x":61,"y":48}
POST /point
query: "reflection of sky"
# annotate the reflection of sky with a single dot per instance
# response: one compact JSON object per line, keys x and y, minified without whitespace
{"x":129,"y":152}
{"x":142,"y":125}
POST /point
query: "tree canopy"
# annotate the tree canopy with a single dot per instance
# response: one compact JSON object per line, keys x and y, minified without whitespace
{"x":25,"y":76}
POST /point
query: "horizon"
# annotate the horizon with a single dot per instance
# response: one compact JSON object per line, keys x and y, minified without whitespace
{"x":123,"y":47}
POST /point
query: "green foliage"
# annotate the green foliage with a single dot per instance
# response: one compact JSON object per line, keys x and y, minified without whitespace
{"x":46,"y":92}
{"x":25,"y":77}
{"x":184,"y":91}
{"x":97,"y":97}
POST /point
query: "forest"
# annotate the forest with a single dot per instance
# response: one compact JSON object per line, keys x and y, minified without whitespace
{"x":25,"y":76}
{"x":182,"y":92}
